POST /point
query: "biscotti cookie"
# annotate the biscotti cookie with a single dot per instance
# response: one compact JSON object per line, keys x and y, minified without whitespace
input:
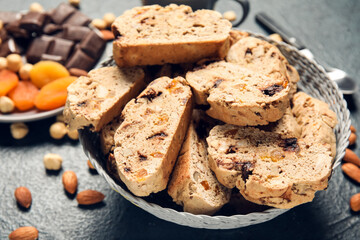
{"x":107,"y":134}
{"x":193,"y":185}
{"x":237,"y":95}
{"x":261,"y":56}
{"x":154,"y":35}
{"x":267,"y":168}
{"x":149,"y":138}
{"x":96,"y":99}
{"x":316,"y":119}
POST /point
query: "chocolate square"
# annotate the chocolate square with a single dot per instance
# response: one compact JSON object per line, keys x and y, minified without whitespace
{"x":75,"y":33}
{"x":14,"y":29}
{"x":62,"y":12}
{"x":93,"y":45}
{"x":3,"y":35}
{"x":38,"y":47}
{"x":33,"y":21}
{"x":60,"y":47}
{"x":51,"y":28}
{"x":78,"y":19}
{"x":79,"y":59}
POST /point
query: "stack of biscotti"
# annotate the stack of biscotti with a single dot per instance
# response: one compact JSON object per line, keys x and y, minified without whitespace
{"x":259,"y":135}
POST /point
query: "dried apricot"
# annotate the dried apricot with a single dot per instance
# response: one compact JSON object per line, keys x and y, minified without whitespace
{"x":24,"y":95}
{"x":53,"y":94}
{"x":44,"y":72}
{"x":8,"y":80}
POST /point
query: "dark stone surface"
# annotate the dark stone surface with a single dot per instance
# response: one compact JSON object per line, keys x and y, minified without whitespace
{"x":330,"y":28}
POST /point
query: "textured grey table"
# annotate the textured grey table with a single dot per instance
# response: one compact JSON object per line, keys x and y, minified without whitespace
{"x":330,"y":28}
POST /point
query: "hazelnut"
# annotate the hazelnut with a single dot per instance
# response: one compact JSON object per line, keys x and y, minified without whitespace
{"x":19,"y":130}
{"x":1,"y":24}
{"x":24,"y":71}
{"x":109,"y":18}
{"x":58,"y":130}
{"x":36,"y":7}
{"x":14,"y":62}
{"x":52,"y":161}
{"x":6,"y":105}
{"x":3,"y":63}
{"x":276,"y":37}
{"x":99,"y":23}
{"x":75,"y":3}
{"x":230,"y":15}
{"x":73,"y":134}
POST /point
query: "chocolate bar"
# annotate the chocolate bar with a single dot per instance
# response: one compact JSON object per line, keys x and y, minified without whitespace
{"x":78,"y":19}
{"x":62,"y":12}
{"x":75,"y":33}
{"x":38,"y":47}
{"x":93,"y":45}
{"x":79,"y":59}
{"x":60,"y":47}
{"x":33,"y":21}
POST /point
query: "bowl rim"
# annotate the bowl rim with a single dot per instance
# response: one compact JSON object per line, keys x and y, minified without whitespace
{"x":267,"y":214}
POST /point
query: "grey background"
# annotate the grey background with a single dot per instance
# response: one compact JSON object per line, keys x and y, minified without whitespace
{"x":330,"y":28}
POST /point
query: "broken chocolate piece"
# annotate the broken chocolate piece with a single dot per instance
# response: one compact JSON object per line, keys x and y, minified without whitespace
{"x":218,"y":82}
{"x":14,"y":29}
{"x":75,"y":33}
{"x":78,"y":19}
{"x":62,"y":12}
{"x":231,"y":149}
{"x":33,"y":22}
{"x":52,"y":28}
{"x":246,"y":170}
{"x":60,"y":47}
{"x":9,"y":47}
{"x":93,"y":45}
{"x":289,"y":144}
{"x":38,"y":47}
{"x":160,"y":135}
{"x":272,"y":90}
{"x":151,"y":94}
{"x":81,"y":60}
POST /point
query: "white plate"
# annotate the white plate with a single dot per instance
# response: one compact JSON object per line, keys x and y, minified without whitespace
{"x":28,"y":116}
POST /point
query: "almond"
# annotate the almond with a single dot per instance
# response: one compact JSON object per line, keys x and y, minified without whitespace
{"x":89,"y":197}
{"x":355,"y":202}
{"x":77,"y":72}
{"x":24,"y":233}
{"x":352,"y":129}
{"x":107,"y":35}
{"x":90,"y":165}
{"x":351,"y":157}
{"x":23,"y":196}
{"x":70,"y":181}
{"x":352,"y":171}
{"x":352,"y":139}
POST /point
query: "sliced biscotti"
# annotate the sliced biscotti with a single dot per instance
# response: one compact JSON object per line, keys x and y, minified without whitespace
{"x":316,"y":119}
{"x":193,"y":185}
{"x":149,"y":138}
{"x":107,"y":134}
{"x":237,"y":95}
{"x":152,"y":35}
{"x":267,"y":167}
{"x":96,"y":99}
{"x":260,"y":56}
